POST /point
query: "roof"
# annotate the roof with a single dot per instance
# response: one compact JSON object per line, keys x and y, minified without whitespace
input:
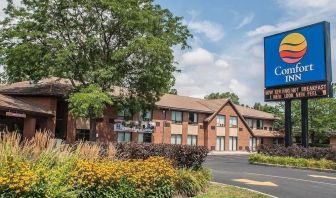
{"x":265,"y":133}
{"x":8,"y":103}
{"x":55,"y":86}
{"x":208,"y":106}
{"x":48,"y":87}
{"x":253,"y":113}
{"x":182,"y":103}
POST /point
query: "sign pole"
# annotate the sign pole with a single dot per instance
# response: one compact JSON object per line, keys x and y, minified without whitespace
{"x":288,"y":123}
{"x":304,"y":122}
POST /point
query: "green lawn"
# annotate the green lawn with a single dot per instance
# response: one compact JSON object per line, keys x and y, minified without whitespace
{"x":219,"y":191}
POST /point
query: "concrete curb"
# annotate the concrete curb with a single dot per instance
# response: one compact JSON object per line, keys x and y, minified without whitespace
{"x":255,"y":191}
{"x":294,"y":167}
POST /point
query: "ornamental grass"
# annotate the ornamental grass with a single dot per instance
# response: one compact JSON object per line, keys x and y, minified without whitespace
{"x":45,"y":167}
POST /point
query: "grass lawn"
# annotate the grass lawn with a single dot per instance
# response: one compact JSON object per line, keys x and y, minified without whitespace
{"x":219,"y":191}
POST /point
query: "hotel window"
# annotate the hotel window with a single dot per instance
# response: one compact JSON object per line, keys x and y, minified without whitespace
{"x":176,"y":117}
{"x":125,"y":114}
{"x":253,"y":143}
{"x":144,"y":137}
{"x":220,"y":143}
{"x":232,"y":143}
{"x":82,"y":134}
{"x":260,"y":124}
{"x":146,"y":116}
{"x":192,"y":140}
{"x":233,"y":121}
{"x":220,"y":121}
{"x":275,"y":141}
{"x":192,"y":118}
{"x":124,"y":136}
{"x":249,"y":122}
{"x":176,"y":139}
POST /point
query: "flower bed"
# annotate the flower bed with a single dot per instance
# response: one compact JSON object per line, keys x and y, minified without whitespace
{"x":43,"y":168}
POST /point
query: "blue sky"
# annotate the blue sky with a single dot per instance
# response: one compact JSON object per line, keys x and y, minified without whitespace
{"x":227,"y":48}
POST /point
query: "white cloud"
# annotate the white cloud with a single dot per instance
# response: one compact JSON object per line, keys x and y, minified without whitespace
{"x":222,"y":63}
{"x":246,"y":20}
{"x":198,"y":56}
{"x":211,"y":30}
{"x":300,"y":4}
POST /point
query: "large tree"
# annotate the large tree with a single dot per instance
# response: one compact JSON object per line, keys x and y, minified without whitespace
{"x":107,"y":43}
{"x":232,"y":96}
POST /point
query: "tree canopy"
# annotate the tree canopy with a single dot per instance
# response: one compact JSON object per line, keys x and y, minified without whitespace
{"x":104,"y":42}
{"x":233,"y":97}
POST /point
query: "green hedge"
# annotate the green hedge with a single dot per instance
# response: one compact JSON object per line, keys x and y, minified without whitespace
{"x":292,"y":161}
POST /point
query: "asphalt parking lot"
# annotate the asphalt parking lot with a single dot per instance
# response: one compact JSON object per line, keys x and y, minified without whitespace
{"x":278,"y":182}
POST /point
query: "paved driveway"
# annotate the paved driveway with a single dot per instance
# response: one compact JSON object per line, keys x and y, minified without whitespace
{"x":279,"y":182}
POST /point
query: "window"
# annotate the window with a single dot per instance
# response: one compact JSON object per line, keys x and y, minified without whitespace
{"x":220,"y":120}
{"x":192,"y":118}
{"x":125,"y":114}
{"x":145,"y":137}
{"x":275,"y":141}
{"x":249,"y":122}
{"x":271,"y":129}
{"x":176,"y":117}
{"x":176,"y":139}
{"x":124,"y":136}
{"x":146,"y":116}
{"x":260,"y":124}
{"x":253,"y":143}
{"x":220,"y":143}
{"x":233,"y":121}
{"x":82,"y":134}
{"x":192,"y":140}
{"x":232,"y":143}
{"x":262,"y":140}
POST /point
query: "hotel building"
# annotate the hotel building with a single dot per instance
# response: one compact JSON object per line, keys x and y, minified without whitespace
{"x":217,"y":124}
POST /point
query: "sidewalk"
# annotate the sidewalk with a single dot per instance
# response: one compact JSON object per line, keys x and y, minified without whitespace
{"x":229,"y":153}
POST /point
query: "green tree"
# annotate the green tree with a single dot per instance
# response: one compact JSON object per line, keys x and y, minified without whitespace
{"x":173,"y":91}
{"x":89,"y":102}
{"x":108,"y":43}
{"x":232,"y":96}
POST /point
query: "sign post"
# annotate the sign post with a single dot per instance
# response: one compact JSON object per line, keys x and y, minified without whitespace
{"x":288,"y":123}
{"x":304,"y":122}
{"x":298,"y":66}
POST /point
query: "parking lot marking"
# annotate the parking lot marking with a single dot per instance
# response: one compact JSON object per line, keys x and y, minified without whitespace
{"x":256,"y":183}
{"x":322,"y":176}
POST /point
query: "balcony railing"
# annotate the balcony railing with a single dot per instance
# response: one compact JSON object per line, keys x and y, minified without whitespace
{"x":135,"y":126}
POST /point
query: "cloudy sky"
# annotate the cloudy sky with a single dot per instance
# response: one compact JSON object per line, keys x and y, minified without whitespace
{"x":227,"y":47}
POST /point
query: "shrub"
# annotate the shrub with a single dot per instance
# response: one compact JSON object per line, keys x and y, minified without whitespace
{"x":152,"y":177}
{"x":293,"y":161}
{"x":191,"y":182}
{"x":183,"y":156}
{"x":298,"y":152}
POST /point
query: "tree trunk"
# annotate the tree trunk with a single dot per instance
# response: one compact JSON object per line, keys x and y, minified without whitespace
{"x":93,"y":123}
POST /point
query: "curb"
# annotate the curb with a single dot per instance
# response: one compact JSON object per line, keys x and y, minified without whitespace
{"x":255,"y":191}
{"x":294,"y":167}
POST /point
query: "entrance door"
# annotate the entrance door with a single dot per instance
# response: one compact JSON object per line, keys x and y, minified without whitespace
{"x":253,"y":143}
{"x":220,"y":143}
{"x":232,"y":143}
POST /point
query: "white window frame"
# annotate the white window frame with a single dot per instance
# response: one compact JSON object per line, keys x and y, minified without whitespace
{"x":233,"y":143}
{"x":195,"y":121}
{"x":124,"y":136}
{"x":231,"y":124}
{"x":220,"y":143}
{"x":192,"y":140}
{"x":221,"y":120}
{"x":175,"y":140}
{"x":174,"y":117}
